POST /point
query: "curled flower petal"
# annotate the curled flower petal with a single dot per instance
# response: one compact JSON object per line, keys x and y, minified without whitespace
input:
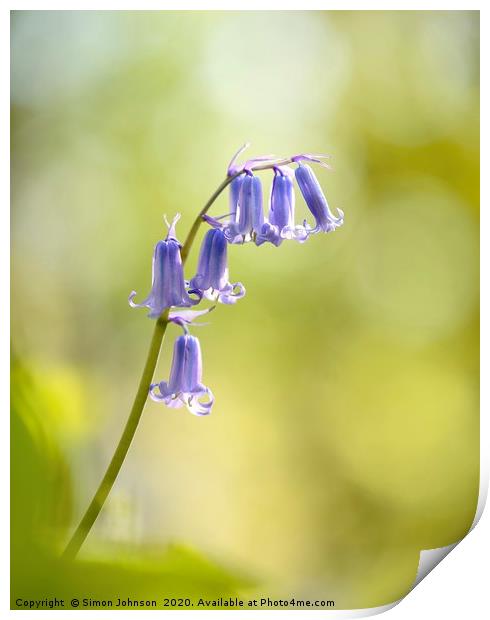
{"x":143,"y":304}
{"x":298,"y":233}
{"x":229,"y":294}
{"x":199,"y":408}
{"x":269,"y":232}
{"x":163,"y":393}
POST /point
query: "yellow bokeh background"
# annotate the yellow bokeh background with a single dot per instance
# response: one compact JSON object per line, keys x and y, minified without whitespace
{"x":344,"y":437}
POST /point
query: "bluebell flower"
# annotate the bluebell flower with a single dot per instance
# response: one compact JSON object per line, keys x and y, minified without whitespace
{"x":211,"y":279}
{"x":315,"y":199}
{"x":250,"y":210}
{"x":184,"y":386}
{"x":168,"y":285}
{"x":280,"y":224}
{"x":246,"y":223}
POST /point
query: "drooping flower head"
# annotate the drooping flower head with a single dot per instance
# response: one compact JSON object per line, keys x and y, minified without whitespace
{"x":236,"y":184}
{"x":250,"y":208}
{"x":241,"y":215}
{"x":211,"y":279}
{"x":315,"y":198}
{"x":246,"y":221}
{"x":168,"y":284}
{"x":280,"y":224}
{"x":184,"y":386}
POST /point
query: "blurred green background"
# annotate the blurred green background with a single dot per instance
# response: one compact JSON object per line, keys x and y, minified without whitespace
{"x":344,"y":436}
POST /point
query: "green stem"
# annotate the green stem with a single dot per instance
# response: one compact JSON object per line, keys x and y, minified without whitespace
{"x":122,"y":448}
{"x":198,"y":221}
{"x":117,"y":460}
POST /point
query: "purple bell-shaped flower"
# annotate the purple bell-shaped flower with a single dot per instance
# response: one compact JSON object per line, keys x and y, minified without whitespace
{"x":316,"y":201}
{"x":211,"y":279}
{"x":184,"y":386}
{"x":168,"y":285}
{"x":247,"y":217}
{"x":280,"y":224}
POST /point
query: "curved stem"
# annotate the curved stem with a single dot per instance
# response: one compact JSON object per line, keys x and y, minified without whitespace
{"x":122,"y":448}
{"x":117,"y":460}
{"x":198,"y":221}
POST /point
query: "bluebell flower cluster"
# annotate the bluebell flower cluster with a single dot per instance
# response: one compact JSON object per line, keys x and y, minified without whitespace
{"x":244,"y":223}
{"x":246,"y":218}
